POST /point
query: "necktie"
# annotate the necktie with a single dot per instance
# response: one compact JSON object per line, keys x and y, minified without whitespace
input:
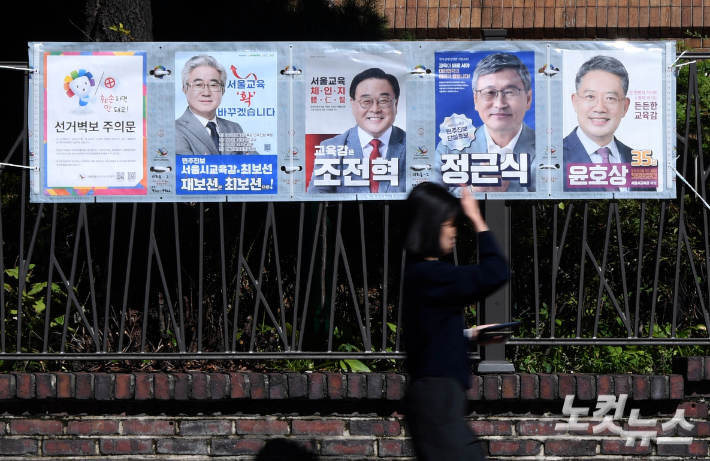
{"x":375,"y":143}
{"x":213,"y":134}
{"x":604,"y":153}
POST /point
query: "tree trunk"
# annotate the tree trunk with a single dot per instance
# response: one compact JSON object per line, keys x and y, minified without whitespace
{"x":135,"y":15}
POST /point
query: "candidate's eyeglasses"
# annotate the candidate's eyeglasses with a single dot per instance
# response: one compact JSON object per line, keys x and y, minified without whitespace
{"x":489,"y":94}
{"x":589,"y":100}
{"x":383,"y":103}
{"x":199,"y":86}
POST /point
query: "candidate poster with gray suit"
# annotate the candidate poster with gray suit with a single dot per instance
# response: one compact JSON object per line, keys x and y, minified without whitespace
{"x":225,"y":123}
{"x":485,"y":121}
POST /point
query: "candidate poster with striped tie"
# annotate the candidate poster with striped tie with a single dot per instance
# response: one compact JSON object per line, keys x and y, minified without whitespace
{"x":331,"y":121}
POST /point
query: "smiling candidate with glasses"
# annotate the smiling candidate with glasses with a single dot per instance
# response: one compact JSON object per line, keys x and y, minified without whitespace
{"x":489,"y":94}
{"x":374,"y":96}
{"x":600,"y":103}
{"x":502,"y":94}
{"x":198,"y":130}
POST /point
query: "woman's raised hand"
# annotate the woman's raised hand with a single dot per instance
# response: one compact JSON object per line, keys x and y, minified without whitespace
{"x":472,"y":210}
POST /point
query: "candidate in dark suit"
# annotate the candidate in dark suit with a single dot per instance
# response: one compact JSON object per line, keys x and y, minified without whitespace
{"x":198,"y":130}
{"x":396,"y":149}
{"x":600,"y":103}
{"x":574,"y":151}
{"x":374,"y":96}
{"x":502,"y":94}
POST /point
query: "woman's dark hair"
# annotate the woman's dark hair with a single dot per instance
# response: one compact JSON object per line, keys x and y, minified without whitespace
{"x":428,"y":207}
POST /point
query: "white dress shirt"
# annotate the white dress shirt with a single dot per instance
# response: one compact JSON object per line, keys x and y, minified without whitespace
{"x":365,"y":139}
{"x":494,"y":148}
{"x":204,"y":122}
{"x":591,"y":147}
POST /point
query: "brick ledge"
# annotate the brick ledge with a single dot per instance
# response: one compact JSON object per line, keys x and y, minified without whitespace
{"x":332,"y":386}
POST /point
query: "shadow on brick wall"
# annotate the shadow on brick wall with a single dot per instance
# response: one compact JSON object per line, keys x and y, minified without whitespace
{"x":282,"y":449}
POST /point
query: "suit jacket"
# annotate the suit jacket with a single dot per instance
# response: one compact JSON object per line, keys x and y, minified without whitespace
{"x":525,"y":144}
{"x":191,"y":137}
{"x":574,"y":152}
{"x":395,"y":149}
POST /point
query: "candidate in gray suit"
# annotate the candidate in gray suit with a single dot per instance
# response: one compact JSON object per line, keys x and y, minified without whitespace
{"x":374,"y":96}
{"x":502,"y":94}
{"x":198,"y":130}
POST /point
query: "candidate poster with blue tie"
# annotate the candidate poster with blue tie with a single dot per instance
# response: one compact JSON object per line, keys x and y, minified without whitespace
{"x":225,"y":123}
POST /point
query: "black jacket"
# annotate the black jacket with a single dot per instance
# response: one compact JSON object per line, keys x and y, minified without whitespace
{"x":435,"y":294}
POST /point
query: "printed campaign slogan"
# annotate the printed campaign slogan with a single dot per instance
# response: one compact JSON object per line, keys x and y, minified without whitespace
{"x":485,"y":120}
{"x":613,"y":121}
{"x":225,"y":123}
{"x":324,"y":121}
{"x":95,"y":127}
{"x":355,"y":124}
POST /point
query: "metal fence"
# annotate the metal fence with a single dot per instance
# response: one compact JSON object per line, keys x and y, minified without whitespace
{"x":217,"y":281}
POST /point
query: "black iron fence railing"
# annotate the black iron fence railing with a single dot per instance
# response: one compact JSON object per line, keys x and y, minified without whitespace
{"x":323,"y":280}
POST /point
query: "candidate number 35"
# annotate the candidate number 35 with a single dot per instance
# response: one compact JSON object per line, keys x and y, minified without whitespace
{"x":643,"y":158}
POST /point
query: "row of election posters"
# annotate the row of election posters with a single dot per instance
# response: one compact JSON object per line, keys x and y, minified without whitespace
{"x":322,"y":121}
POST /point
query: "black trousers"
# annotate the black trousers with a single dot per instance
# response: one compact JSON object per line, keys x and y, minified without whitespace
{"x":434,"y":408}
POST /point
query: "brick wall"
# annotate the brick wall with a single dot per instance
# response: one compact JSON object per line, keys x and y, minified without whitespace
{"x":93,"y":416}
{"x":551,"y":19}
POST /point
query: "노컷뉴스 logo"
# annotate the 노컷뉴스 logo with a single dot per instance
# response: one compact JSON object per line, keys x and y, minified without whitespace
{"x":639,"y":429}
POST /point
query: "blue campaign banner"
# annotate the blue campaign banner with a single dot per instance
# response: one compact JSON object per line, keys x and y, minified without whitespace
{"x":227,"y":174}
{"x":454,"y":95}
{"x":485,"y":99}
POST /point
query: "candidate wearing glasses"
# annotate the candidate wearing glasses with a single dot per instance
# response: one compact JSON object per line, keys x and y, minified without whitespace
{"x":600,"y":103}
{"x":374,"y":96}
{"x":198,"y":130}
{"x":502,"y":94}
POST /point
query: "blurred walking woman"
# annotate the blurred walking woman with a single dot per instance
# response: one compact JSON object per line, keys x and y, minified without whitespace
{"x":435,"y":293}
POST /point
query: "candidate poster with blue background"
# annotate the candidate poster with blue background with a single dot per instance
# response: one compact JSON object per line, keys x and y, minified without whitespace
{"x":486,"y":135}
{"x":454,"y":94}
{"x":225,"y":123}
